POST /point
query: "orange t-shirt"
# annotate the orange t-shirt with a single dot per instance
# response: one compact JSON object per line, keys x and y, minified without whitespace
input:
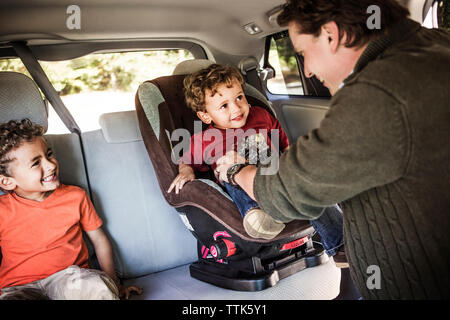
{"x":38,"y":239}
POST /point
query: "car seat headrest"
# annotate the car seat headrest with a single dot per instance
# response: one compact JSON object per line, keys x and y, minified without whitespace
{"x":191,"y":66}
{"x":120,"y":127}
{"x":20,"y":98}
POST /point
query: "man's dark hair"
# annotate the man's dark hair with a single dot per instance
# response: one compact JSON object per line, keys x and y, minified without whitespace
{"x":350,"y":16}
{"x":12,"y":135}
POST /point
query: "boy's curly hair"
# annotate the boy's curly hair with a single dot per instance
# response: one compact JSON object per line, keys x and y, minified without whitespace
{"x":12,"y":135}
{"x":197,"y":83}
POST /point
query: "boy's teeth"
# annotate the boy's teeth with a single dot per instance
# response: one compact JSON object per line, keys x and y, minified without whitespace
{"x":48,"y":178}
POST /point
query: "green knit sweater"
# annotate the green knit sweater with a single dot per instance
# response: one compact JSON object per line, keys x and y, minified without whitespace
{"x":382,"y":151}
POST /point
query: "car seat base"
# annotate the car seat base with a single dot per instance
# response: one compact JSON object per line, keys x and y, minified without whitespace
{"x":221,"y":275}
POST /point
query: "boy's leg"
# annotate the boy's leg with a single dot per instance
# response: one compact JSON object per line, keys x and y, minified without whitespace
{"x":242,"y":200}
{"x":75,"y":283}
{"x":330,"y":227}
{"x":29,"y":291}
{"x":257,"y":223}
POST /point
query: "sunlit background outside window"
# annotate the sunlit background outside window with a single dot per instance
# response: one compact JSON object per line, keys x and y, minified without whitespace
{"x":101,"y":83}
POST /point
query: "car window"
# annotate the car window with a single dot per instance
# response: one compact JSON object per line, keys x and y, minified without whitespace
{"x":289,"y":78}
{"x":443,"y":15}
{"x":281,"y":57}
{"x":101,"y":82}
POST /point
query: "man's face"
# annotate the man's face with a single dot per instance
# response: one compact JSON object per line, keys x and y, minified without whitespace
{"x":227,"y":108}
{"x":34,"y":170}
{"x":321,"y":56}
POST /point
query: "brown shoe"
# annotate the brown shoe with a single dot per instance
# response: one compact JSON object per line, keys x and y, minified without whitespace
{"x":340,"y":259}
{"x":259,"y":224}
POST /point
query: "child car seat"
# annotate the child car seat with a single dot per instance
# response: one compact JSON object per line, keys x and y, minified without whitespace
{"x":227,"y":256}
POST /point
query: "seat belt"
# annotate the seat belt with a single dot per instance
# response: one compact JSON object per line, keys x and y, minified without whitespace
{"x":41,"y":79}
{"x":248,"y":67}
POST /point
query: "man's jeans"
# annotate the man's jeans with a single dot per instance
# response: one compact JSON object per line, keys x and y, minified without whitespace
{"x":329,"y":225}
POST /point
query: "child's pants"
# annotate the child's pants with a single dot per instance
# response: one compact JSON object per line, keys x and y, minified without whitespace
{"x":72,"y":283}
{"x":329,"y":225}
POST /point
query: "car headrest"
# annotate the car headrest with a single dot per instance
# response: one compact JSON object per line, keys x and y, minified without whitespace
{"x":120,"y":127}
{"x":20,"y":98}
{"x":191,"y":66}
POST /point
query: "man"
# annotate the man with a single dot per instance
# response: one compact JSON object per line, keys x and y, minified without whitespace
{"x":382,"y":150}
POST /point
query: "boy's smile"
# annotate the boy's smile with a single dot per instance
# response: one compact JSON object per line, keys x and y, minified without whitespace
{"x":227,"y":108}
{"x":34,"y":170}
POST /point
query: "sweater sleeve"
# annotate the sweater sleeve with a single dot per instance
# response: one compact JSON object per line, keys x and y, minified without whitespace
{"x":283,"y":138}
{"x":361,"y":143}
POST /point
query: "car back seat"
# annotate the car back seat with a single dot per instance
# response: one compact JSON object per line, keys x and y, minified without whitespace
{"x":152,"y":247}
{"x":146,"y":233}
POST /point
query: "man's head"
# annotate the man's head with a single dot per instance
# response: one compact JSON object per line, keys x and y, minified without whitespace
{"x":332,"y":34}
{"x":27,"y":164}
{"x":216,"y":94}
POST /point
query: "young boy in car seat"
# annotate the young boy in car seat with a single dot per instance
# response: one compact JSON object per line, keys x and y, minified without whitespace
{"x":216,"y":94}
{"x":41,"y":223}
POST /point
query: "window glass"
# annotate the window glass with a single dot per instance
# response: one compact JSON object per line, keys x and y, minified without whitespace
{"x":438,"y":15}
{"x":443,"y":13}
{"x":101,"y":82}
{"x":287,"y":77}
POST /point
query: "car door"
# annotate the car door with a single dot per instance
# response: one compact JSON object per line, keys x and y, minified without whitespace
{"x":299,"y":102}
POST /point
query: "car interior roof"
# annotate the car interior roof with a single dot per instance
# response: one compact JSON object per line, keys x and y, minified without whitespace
{"x":218,"y":24}
{"x":139,"y":19}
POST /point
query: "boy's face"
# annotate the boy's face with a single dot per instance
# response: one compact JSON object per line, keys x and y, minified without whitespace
{"x":33,"y":172}
{"x":227,"y":108}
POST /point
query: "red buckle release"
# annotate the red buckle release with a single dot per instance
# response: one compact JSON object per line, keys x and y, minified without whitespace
{"x":294,"y":244}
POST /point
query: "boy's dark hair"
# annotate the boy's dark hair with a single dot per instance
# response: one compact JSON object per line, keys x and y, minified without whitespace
{"x":196,"y":84}
{"x":350,"y":16}
{"x":12,"y":135}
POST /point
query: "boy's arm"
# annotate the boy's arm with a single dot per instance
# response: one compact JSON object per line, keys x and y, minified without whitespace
{"x":104,"y":253}
{"x":185,"y":174}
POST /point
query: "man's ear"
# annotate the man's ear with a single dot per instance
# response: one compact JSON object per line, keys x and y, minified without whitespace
{"x":331,"y":31}
{"x":7,"y":183}
{"x":204,"y":116}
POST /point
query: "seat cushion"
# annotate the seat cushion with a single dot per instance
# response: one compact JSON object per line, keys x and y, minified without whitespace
{"x":317,"y":283}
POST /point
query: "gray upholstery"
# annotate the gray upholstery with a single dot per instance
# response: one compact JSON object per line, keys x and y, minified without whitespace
{"x":318,"y":283}
{"x":20,"y":98}
{"x":67,"y":150}
{"x":147,"y":234}
{"x":191,"y":66}
{"x":120,"y":127}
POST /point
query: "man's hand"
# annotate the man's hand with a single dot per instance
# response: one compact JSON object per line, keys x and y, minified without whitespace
{"x":186,"y":174}
{"x":225,"y":162}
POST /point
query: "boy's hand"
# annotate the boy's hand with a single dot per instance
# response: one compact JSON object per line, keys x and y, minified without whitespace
{"x":186,"y":174}
{"x":125,"y":292}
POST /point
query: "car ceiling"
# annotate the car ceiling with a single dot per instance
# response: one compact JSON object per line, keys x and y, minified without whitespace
{"x":217,"y":23}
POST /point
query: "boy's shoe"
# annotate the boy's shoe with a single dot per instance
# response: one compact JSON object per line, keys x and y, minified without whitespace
{"x":259,"y":224}
{"x":340,"y":259}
